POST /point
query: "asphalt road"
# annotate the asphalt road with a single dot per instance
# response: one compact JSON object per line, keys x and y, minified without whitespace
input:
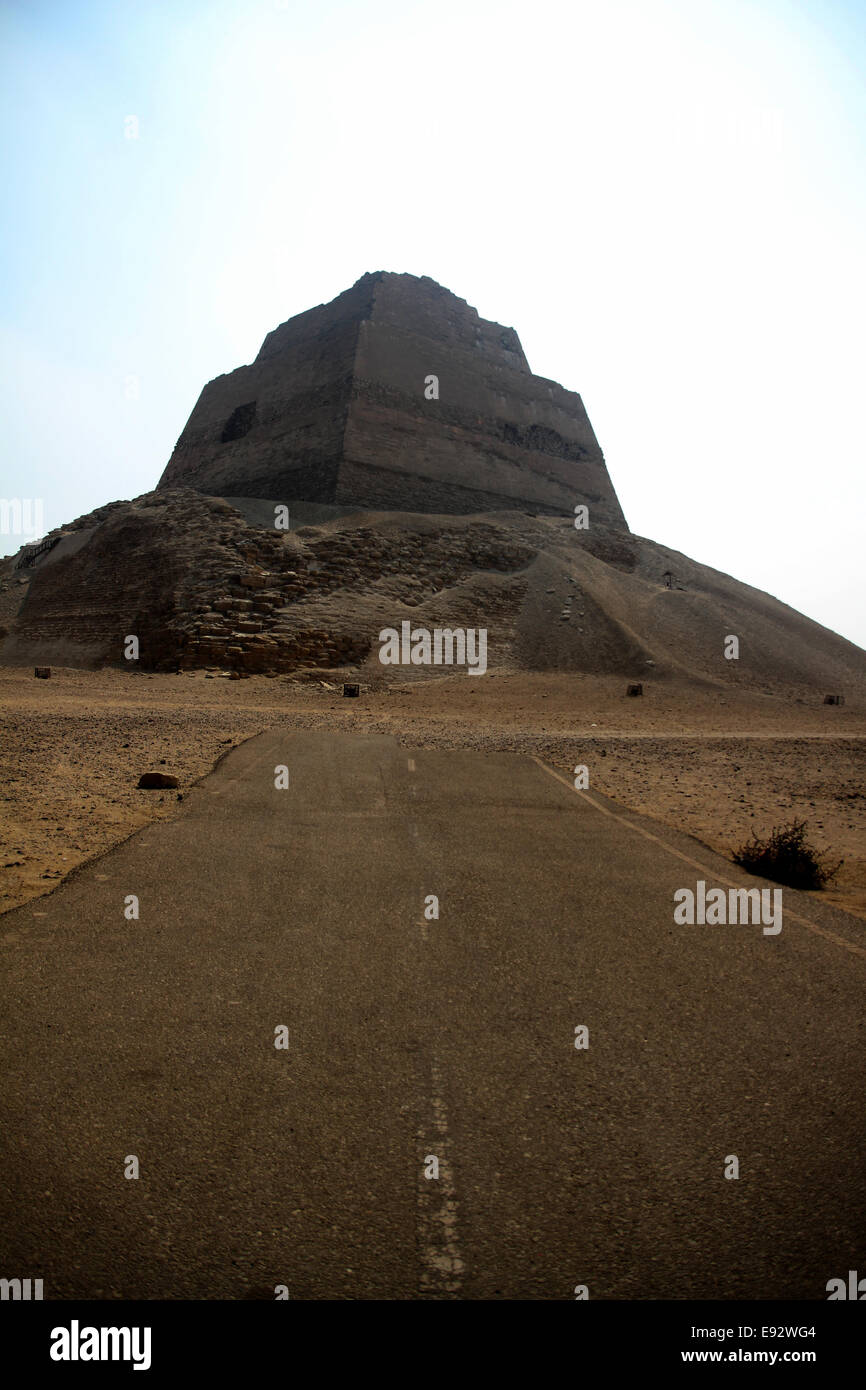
{"x":411,"y":1039}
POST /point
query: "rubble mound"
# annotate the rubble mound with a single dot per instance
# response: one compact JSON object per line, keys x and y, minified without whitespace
{"x":198,"y":584}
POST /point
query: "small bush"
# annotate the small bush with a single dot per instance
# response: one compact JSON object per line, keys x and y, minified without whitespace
{"x":786,"y":857}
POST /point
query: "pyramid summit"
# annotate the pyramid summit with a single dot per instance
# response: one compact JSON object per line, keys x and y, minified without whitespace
{"x":339,"y":408}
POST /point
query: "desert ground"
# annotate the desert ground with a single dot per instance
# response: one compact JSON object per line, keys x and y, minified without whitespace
{"x":714,"y":763}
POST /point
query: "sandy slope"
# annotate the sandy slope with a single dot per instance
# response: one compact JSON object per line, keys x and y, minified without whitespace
{"x":199,"y":587}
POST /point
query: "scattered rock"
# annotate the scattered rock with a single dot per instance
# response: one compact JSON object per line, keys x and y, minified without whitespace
{"x":152,"y":780}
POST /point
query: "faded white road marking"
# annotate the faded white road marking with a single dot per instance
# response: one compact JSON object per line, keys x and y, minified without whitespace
{"x":710,"y":874}
{"x":413,"y":835}
{"x":441,"y":1263}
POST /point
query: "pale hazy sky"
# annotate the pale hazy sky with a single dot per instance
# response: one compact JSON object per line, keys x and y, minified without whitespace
{"x":665,"y":198}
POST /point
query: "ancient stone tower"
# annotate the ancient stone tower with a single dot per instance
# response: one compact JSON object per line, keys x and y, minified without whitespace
{"x":334,"y":410}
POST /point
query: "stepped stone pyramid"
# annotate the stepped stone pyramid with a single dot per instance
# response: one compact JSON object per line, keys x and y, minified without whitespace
{"x":333,"y":411}
{"x":454,"y":512}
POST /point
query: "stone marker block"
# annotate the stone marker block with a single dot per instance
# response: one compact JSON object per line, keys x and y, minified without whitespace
{"x":43,"y":672}
{"x":351,"y":689}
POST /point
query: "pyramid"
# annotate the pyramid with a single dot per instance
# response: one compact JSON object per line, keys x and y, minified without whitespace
{"x":338,"y":408}
{"x":448,"y":508}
